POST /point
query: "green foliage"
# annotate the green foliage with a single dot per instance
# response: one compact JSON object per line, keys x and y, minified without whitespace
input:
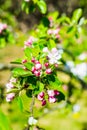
{"x":4,"y":123}
{"x":31,"y":5}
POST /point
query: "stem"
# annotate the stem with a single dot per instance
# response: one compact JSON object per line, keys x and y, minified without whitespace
{"x":32,"y":105}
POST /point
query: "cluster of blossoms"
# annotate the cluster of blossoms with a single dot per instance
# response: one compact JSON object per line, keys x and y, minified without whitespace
{"x":29,"y":42}
{"x":2,"y":27}
{"x":52,"y":59}
{"x":9,"y":87}
{"x":54,"y":32}
{"x":51,"y":96}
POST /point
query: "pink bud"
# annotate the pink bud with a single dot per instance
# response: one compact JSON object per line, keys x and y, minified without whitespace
{"x":10,"y":97}
{"x":51,"y":93}
{"x":56,"y":92}
{"x":24,"y":61}
{"x":43,"y":102}
{"x":48,"y":71}
{"x":33,"y":69}
{"x":40,"y":96}
{"x":56,"y":65}
{"x":52,"y":99}
{"x":37,"y":73}
{"x":38,"y":66}
{"x":46,"y":64}
{"x":33,"y":60}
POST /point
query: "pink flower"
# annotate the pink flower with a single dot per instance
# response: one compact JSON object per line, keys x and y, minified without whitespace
{"x":40,"y":96}
{"x":9,"y":85}
{"x":51,"y":93}
{"x":43,"y":102}
{"x":29,"y":41}
{"x":38,"y":66}
{"x":56,"y":31}
{"x":10,"y":97}
{"x":13,"y":80}
{"x":52,"y":99}
{"x":50,"y":31}
{"x":48,"y":71}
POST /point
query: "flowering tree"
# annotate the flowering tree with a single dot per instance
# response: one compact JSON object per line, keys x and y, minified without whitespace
{"x":45,"y":55}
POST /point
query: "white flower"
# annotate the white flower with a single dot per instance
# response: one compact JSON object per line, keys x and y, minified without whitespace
{"x":32,"y":121}
{"x":76,"y":108}
{"x":54,"y":55}
{"x":80,"y":70}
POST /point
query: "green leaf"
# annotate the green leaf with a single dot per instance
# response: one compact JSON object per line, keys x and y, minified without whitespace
{"x":17,"y":61}
{"x":42,"y":6}
{"x":20,"y":103}
{"x":4,"y":123}
{"x":29,"y":93}
{"x":17,"y":72}
{"x":54,"y":15}
{"x":28,"y":53}
{"x":60,"y":97}
{"x":28,"y":65}
{"x":55,"y":83}
{"x":41,"y":86}
{"x":76,"y":15}
{"x":13,"y":91}
{"x":52,"y":44}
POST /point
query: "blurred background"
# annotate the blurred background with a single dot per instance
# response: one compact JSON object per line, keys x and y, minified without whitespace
{"x":70,"y":115}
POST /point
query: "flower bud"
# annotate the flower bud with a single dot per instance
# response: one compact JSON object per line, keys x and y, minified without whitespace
{"x":37,"y":73}
{"x":40,"y":96}
{"x":10,"y":97}
{"x":33,"y":69}
{"x":48,"y":71}
{"x":51,"y":93}
{"x":33,"y":60}
{"x":43,"y":102}
{"x":56,"y":92}
{"x":46,"y":64}
{"x":38,"y":66}
{"x":24,"y":61}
